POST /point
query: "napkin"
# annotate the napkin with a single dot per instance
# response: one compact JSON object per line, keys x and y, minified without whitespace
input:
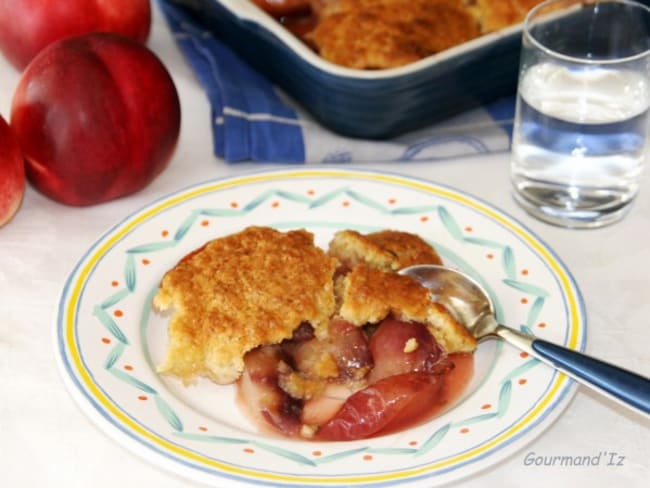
{"x":254,"y":120}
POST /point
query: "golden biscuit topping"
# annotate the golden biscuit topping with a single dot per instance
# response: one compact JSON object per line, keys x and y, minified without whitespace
{"x":322,"y":346}
{"x":370,"y":295}
{"x":382,"y":34}
{"x":239,"y":292}
{"x":389,"y":250}
{"x":257,"y":287}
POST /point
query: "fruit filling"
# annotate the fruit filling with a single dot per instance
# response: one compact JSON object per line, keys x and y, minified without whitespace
{"x":322,"y":345}
{"x":360,"y":382}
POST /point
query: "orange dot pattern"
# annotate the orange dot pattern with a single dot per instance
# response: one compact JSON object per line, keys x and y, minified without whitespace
{"x":345,"y":203}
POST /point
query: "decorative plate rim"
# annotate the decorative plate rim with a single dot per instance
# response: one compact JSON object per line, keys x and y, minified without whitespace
{"x":159,"y":450}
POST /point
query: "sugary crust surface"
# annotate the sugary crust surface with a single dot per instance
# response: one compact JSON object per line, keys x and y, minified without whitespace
{"x":389,"y":250}
{"x":379,"y":34}
{"x":497,"y":15}
{"x":369,"y":295}
{"x":241,"y":291}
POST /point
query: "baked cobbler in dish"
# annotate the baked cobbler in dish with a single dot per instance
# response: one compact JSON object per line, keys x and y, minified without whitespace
{"x":380,"y":34}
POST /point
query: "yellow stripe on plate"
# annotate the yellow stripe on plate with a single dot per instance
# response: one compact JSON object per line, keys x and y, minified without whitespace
{"x":101,"y":399}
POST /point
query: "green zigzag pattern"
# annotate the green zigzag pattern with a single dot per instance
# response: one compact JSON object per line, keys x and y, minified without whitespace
{"x":174,"y":421}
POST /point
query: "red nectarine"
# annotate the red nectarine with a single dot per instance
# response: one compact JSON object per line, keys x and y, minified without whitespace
{"x":27,"y":26}
{"x":12,"y":174}
{"x":97,"y":117}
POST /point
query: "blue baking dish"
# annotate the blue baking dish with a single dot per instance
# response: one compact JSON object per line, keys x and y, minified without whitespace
{"x":360,"y":103}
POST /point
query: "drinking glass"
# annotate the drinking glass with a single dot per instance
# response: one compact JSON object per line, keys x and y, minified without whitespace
{"x":581,"y":123}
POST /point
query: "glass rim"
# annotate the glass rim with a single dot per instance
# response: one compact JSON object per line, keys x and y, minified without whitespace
{"x":574,"y":59}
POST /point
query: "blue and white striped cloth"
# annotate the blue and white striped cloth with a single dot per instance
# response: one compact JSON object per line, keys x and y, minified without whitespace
{"x":253,"y":120}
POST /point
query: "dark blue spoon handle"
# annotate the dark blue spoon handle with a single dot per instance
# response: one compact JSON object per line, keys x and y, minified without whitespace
{"x":624,"y":385}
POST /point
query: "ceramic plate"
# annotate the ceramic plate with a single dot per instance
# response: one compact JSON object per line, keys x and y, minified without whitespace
{"x":109,"y":339}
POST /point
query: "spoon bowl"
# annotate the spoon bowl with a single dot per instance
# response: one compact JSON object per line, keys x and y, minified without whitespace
{"x":468,"y":301}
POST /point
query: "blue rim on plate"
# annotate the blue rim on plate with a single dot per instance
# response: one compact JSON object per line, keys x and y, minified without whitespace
{"x":108,"y":339}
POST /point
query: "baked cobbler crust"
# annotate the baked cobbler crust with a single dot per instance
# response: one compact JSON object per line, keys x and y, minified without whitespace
{"x":381,"y":34}
{"x":257,"y":287}
{"x":241,"y":291}
{"x":369,"y":295}
{"x":390,"y":250}
{"x":497,"y":15}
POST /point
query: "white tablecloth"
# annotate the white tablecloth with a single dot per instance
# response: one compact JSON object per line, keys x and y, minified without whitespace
{"x":45,"y":439}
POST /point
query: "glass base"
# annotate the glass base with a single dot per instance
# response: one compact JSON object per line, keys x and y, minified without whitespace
{"x":559,"y":207}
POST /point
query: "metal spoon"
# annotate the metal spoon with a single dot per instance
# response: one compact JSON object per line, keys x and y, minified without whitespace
{"x":472,"y":306}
